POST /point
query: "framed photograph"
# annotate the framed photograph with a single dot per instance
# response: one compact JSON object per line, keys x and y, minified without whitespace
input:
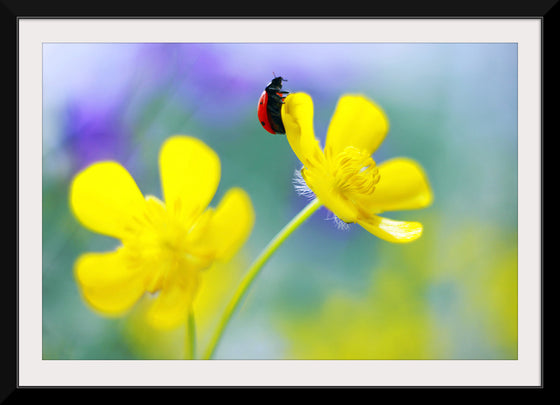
{"x":263,"y":202}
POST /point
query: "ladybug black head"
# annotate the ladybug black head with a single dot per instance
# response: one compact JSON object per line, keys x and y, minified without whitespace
{"x":277,"y":82}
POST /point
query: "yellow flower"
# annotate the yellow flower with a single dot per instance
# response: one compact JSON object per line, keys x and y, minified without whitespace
{"x":164,"y":245}
{"x":345,"y":178}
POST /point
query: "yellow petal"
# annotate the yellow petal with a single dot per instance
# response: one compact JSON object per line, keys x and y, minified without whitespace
{"x":228,"y":227}
{"x":170,"y":307}
{"x":357,"y":122}
{"x":190,"y":173}
{"x":104,"y":197}
{"x":297,"y":117}
{"x":391,"y":230}
{"x":107,"y":283}
{"x":323,"y":187}
{"x":403,"y":185}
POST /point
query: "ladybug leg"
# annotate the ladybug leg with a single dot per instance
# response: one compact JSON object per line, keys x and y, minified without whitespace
{"x":276,"y":97}
{"x":281,"y":94}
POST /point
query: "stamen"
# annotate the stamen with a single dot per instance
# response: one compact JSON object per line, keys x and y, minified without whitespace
{"x":355,"y":171}
{"x":159,"y":240}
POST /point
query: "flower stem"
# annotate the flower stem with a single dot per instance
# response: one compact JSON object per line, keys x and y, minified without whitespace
{"x":190,"y":338}
{"x":257,"y":266}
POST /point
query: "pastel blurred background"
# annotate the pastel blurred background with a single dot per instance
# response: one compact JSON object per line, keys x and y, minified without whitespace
{"x":326,"y":293}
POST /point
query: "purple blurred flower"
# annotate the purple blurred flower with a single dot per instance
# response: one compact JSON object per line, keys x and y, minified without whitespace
{"x":95,"y":132}
{"x":109,"y":93}
{"x":199,"y":79}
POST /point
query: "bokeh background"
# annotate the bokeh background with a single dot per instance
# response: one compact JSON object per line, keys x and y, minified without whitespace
{"x":326,"y":293}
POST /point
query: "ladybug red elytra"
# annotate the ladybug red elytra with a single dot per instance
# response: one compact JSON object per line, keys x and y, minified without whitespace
{"x":270,"y":103}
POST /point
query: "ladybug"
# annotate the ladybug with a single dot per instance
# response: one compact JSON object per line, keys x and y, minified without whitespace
{"x":270,"y":103}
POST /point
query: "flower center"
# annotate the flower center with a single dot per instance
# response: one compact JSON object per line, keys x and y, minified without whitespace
{"x":163,"y":247}
{"x":355,"y":172}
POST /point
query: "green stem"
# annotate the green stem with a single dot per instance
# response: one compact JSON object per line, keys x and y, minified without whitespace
{"x":190,"y":338}
{"x":256,"y":267}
